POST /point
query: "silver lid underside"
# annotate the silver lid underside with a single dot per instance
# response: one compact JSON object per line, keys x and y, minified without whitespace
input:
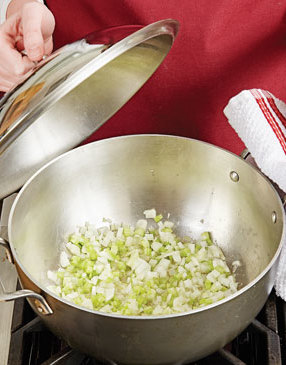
{"x":72,"y":93}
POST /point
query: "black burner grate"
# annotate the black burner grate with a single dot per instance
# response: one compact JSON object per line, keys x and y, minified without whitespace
{"x":262,"y":343}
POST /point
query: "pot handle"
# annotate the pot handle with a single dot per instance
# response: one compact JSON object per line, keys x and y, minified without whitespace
{"x":40,"y":302}
{"x":6,"y":245}
{"x":244,"y":154}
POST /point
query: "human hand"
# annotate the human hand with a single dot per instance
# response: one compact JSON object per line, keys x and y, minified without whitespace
{"x":30,"y":29}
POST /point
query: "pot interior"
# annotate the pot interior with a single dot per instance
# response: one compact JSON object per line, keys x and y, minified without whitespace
{"x":121,"y":177}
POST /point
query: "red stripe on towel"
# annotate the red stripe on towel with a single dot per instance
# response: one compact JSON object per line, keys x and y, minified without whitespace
{"x":273,"y":105}
{"x":270,"y":118}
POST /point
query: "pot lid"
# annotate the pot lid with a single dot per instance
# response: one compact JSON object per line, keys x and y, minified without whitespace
{"x":72,"y":92}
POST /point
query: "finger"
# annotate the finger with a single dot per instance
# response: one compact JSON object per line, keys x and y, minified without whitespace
{"x":32,"y":31}
{"x":5,"y":75}
{"x":4,"y":88}
{"x":7,"y":80}
{"x":12,"y":60}
{"x":38,"y":25}
{"x":48,"y":46}
{"x":48,"y":23}
{"x":5,"y":84}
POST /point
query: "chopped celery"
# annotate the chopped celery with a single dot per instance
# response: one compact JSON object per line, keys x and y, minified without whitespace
{"x":208,"y":284}
{"x":158,"y":218}
{"x":140,"y":232}
{"x":141,"y":271}
{"x":167,"y":229}
{"x":127,"y":231}
{"x":185,"y":252}
{"x":206,"y":236}
{"x":205,"y":301}
{"x":220,"y":269}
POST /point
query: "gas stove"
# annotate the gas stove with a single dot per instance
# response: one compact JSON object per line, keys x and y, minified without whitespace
{"x":263,"y":342}
{"x":24,"y":340}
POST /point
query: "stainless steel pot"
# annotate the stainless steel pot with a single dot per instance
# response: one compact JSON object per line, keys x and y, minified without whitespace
{"x":203,"y":188}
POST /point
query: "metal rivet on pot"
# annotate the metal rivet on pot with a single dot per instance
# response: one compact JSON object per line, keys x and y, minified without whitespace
{"x":234,"y":176}
{"x":274,"y":217}
{"x":43,"y":308}
{"x":40,"y":309}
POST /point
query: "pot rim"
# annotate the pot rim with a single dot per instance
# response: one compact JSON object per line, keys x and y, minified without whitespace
{"x":145,"y":317}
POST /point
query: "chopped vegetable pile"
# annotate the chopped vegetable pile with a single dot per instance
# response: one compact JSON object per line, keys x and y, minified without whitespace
{"x":141,"y":270}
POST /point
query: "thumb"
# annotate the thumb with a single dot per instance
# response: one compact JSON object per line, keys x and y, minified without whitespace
{"x":38,"y":25}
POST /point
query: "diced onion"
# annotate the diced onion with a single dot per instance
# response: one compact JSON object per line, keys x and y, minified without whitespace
{"x":141,"y":271}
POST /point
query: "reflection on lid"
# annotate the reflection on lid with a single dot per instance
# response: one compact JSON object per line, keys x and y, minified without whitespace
{"x":19,"y":105}
{"x":47,"y":76}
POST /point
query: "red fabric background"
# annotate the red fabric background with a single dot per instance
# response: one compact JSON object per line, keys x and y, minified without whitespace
{"x":222,"y":48}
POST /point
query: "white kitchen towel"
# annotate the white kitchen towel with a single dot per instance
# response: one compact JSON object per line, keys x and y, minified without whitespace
{"x":259,"y":119}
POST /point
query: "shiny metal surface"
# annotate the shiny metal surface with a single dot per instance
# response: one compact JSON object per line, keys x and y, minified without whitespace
{"x":121,"y":177}
{"x":5,"y":244}
{"x":42,"y":306}
{"x":8,"y":275}
{"x":72,"y":93}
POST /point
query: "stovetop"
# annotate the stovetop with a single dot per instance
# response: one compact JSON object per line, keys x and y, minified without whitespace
{"x":262,"y":343}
